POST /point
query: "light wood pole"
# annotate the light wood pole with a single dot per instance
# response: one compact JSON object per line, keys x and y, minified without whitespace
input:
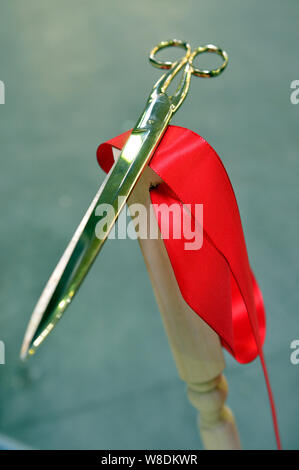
{"x":195,"y":346}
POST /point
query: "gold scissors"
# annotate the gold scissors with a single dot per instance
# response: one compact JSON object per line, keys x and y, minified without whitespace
{"x":118,"y":185}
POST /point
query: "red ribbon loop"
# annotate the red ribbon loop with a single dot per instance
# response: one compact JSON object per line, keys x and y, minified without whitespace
{"x":215,"y":280}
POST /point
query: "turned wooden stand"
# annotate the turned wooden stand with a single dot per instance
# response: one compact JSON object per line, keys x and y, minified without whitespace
{"x":195,"y":346}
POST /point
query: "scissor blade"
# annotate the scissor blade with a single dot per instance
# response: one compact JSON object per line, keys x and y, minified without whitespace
{"x":85,"y":243}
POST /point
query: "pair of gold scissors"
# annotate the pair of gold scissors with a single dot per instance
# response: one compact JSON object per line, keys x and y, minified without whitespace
{"x":139,"y":148}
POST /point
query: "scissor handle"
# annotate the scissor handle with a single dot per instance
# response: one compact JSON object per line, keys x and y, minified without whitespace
{"x":160,"y":64}
{"x":214,"y":50}
{"x":189,"y":57}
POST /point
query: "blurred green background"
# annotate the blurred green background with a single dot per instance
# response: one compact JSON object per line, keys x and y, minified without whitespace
{"x":76,"y":74}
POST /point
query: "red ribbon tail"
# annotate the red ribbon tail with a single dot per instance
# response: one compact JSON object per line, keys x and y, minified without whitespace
{"x":271,"y":397}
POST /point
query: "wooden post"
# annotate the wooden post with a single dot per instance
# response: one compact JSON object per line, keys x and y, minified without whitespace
{"x":195,"y":346}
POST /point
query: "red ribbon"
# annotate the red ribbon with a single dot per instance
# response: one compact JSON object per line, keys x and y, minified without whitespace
{"x":216,"y":281}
